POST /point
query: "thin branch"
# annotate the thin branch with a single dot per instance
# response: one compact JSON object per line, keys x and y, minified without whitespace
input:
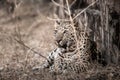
{"x":85,"y":9}
{"x":23,"y":44}
{"x":57,"y":19}
{"x":72,"y":24}
{"x":57,"y":4}
{"x":73,"y":2}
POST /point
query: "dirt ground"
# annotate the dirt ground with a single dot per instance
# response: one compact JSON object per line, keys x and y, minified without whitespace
{"x":30,"y":23}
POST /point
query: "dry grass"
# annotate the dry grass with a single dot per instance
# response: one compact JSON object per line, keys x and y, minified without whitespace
{"x":30,"y":25}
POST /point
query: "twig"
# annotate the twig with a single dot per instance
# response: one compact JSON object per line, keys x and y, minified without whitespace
{"x":85,"y":9}
{"x":72,"y":23}
{"x":23,"y":44}
{"x":57,"y":4}
{"x":73,"y":2}
{"x":57,"y":19}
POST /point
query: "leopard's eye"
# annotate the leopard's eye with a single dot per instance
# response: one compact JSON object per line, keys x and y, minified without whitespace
{"x":65,"y":31}
{"x":58,"y":22}
{"x":55,"y":31}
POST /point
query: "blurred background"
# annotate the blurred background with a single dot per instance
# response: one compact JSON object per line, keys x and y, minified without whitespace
{"x":27,"y":20}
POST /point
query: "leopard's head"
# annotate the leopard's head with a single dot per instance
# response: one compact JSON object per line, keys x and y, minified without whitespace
{"x":64,"y":36}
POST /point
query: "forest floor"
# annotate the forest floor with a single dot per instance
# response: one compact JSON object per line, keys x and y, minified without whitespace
{"x":30,"y":24}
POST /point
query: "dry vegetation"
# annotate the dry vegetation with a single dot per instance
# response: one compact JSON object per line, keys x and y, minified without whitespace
{"x":26,"y":34}
{"x":28,"y":23}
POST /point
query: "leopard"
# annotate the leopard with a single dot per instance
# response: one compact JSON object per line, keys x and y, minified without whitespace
{"x":77,"y":55}
{"x":67,"y":57}
{"x":74,"y":47}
